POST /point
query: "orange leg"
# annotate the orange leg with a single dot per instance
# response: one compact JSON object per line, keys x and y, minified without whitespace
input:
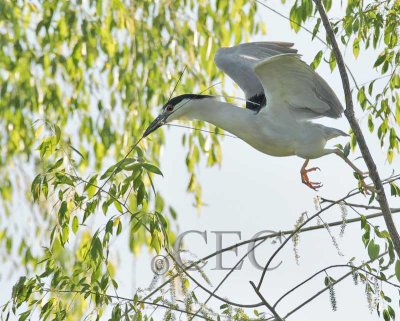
{"x":304,"y":177}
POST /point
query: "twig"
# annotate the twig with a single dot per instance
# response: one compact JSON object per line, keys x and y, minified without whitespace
{"x":184,"y":270}
{"x":265,"y":302}
{"x":331,"y":267}
{"x":366,"y":207}
{"x":330,"y":285}
{"x":294,"y":233}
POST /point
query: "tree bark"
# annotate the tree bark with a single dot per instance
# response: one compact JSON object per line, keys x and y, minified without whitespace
{"x":349,"y":113}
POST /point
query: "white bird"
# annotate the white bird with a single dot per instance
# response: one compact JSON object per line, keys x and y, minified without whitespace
{"x":283,"y":94}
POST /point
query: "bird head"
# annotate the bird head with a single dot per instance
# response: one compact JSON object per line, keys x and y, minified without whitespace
{"x":176,"y":108}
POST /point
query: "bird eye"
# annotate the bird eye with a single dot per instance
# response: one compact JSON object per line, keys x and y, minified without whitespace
{"x":169,"y":108}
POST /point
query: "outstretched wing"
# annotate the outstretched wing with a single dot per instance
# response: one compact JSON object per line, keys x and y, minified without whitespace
{"x":289,"y":81}
{"x":238,"y":63}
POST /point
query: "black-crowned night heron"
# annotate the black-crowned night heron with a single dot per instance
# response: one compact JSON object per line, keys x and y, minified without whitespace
{"x":283,"y":94}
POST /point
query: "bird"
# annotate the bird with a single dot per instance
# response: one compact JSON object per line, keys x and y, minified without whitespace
{"x":283,"y":97}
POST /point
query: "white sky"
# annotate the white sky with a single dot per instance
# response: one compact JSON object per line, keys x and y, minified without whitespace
{"x":253,"y":192}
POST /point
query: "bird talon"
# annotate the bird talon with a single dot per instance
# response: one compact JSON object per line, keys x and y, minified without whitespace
{"x":313,"y":185}
{"x":312,"y":169}
{"x":304,"y":177}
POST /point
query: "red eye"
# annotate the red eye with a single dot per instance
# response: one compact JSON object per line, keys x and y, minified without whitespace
{"x":170,"y":108}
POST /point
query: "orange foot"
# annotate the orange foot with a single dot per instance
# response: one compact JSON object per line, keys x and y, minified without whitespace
{"x":304,"y":177}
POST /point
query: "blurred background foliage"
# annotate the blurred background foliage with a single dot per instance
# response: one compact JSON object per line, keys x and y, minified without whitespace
{"x":79,"y":83}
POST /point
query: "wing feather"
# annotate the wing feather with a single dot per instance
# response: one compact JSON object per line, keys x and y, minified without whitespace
{"x":238,"y":62}
{"x":286,"y":78}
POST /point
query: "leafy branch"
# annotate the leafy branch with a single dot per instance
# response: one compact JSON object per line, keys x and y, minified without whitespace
{"x":349,"y":113}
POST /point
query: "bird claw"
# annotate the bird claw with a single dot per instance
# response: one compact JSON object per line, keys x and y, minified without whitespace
{"x":313,"y":185}
{"x":312,"y":169}
{"x":306,"y":181}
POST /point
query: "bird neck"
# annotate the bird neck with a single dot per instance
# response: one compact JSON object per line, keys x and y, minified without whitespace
{"x":221,"y":114}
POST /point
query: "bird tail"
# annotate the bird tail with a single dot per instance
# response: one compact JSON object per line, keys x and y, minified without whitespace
{"x":333,"y":133}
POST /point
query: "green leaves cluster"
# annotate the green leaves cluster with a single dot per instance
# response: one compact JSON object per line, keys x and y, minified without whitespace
{"x":387,"y":264}
{"x":369,"y":26}
{"x":374,"y":25}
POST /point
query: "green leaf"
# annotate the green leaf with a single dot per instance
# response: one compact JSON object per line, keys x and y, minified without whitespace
{"x":356,"y":47}
{"x":97,"y":248}
{"x":152,"y":168}
{"x":24,"y":315}
{"x":381,"y":58}
{"x":140,"y":194}
{"x":57,"y":131}
{"x":317,"y":60}
{"x":119,"y":228}
{"x":156,"y":241}
{"x":173,"y":212}
{"x":108,"y":172}
{"x":370,"y":124}
{"x":35,"y":187}
{"x":64,"y":234}
{"x":386,"y":315}
{"x":332,"y":61}
{"x":394,"y":189}
{"x":62,"y":212}
{"x":75,"y":224}
{"x":118,"y":206}
{"x":397,"y":270}
{"x":295,"y":19}
{"x":316,"y":28}
{"x":373,"y":250}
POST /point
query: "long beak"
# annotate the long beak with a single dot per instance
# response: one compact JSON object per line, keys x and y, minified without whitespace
{"x":157,"y":123}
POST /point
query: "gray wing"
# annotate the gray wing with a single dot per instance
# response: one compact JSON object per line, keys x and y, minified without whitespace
{"x":238,"y":63}
{"x":291,"y":83}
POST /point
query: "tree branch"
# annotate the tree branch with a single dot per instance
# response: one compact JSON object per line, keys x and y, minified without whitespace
{"x":331,"y":267}
{"x":170,"y":307}
{"x":327,"y":287}
{"x":366,"y":207}
{"x":349,"y":113}
{"x":265,"y":302}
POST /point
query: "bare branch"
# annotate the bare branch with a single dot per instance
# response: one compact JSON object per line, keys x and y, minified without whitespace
{"x":330,"y":285}
{"x":332,"y":267}
{"x":265,"y":302}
